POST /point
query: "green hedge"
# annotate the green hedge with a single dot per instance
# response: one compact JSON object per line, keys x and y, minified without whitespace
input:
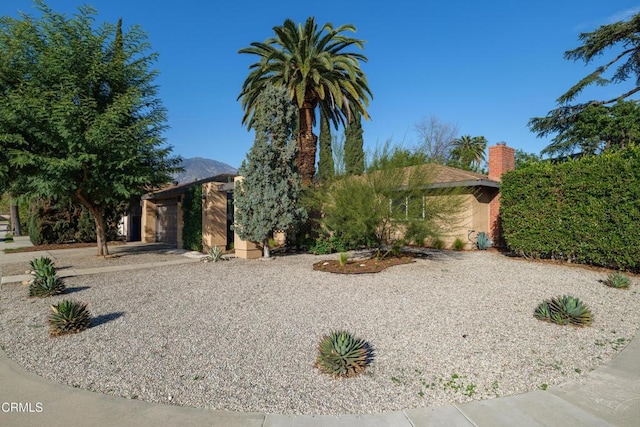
{"x":585,"y":211}
{"x":192,"y":219}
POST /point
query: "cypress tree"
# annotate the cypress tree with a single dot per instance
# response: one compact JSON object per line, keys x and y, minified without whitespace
{"x":266,"y":200}
{"x":353,"y":147}
{"x":325,"y":165}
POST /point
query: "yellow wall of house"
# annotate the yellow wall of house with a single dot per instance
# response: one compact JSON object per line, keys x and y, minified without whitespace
{"x":148,"y":221}
{"x":214,"y":216}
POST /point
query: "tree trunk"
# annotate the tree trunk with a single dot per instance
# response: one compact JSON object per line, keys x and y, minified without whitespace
{"x":101,"y":232}
{"x":15,"y":219}
{"x":307,"y":143}
{"x":266,"y":251}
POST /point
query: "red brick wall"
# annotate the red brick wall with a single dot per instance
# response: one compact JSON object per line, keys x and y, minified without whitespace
{"x":501,"y":159}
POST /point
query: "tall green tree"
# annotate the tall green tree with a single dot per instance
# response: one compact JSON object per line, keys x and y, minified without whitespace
{"x":619,"y":41}
{"x":469,"y":152}
{"x":598,"y":128}
{"x":79,"y":112}
{"x":266,"y":200}
{"x":326,"y":168}
{"x":353,"y":146}
{"x":317,"y":68}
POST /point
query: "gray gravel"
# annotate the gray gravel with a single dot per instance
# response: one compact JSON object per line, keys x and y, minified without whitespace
{"x":242,"y":335}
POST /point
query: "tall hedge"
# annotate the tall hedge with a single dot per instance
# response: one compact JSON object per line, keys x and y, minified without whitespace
{"x":585,"y":211}
{"x":192,"y":219}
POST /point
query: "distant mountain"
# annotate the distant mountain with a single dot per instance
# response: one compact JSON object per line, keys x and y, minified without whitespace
{"x":196,"y":168}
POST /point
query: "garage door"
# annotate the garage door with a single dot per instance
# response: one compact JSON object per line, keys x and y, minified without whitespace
{"x":167,"y":224}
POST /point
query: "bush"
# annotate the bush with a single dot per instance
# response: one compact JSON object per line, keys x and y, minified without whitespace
{"x":583,"y":211}
{"x":192,"y":219}
{"x":60,"y":221}
{"x":458,"y":244}
{"x":392,"y":199}
{"x":438,"y":244}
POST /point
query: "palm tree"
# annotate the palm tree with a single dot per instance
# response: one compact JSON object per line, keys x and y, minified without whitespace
{"x":317,"y":70}
{"x":469,"y":151}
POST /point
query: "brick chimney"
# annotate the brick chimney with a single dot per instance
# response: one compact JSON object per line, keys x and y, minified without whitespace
{"x":501,"y":159}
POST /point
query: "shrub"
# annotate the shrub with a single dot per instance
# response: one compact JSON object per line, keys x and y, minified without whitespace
{"x":617,"y":280}
{"x":564,"y":310}
{"x":342,"y":258}
{"x":328,"y":245}
{"x":68,"y":317}
{"x":8,"y":238}
{"x":458,"y":244}
{"x":46,"y":286}
{"x":192,"y":219}
{"x":343,"y":355}
{"x":438,"y":244}
{"x":583,"y":211}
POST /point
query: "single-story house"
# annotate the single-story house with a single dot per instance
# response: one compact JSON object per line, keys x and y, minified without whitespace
{"x":161,"y":217}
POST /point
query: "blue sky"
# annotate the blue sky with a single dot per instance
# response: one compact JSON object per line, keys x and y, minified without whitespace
{"x":486,"y":66}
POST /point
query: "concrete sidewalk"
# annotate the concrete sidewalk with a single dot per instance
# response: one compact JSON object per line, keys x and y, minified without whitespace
{"x":610,"y":397}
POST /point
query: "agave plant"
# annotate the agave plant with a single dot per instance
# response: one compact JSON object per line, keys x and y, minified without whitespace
{"x":68,"y":317}
{"x":42,"y":267}
{"x":214,"y":255}
{"x":46,"y":286}
{"x":343,"y":355}
{"x":564,"y":310}
{"x":483,"y":242}
{"x":617,"y":280}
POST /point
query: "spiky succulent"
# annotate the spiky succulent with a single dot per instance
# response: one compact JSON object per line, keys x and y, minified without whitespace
{"x":617,"y":280}
{"x":68,"y":317}
{"x":564,"y":310}
{"x":46,"y":286}
{"x":214,"y":255}
{"x":43,"y":267}
{"x":343,"y":355}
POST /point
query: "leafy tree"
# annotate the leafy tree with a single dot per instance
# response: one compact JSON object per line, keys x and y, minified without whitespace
{"x":524,"y":159}
{"x":317,"y":69}
{"x":325,"y":163}
{"x":267,"y":197}
{"x":468,"y":152}
{"x":576,"y":124}
{"x":436,"y":138}
{"x":598,"y":128}
{"x":353,"y":147}
{"x":79,"y":115}
{"x":390,"y":156}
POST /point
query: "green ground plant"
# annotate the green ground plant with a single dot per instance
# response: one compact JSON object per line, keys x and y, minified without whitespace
{"x":618,"y":280}
{"x":564,"y":310}
{"x":340,"y":354}
{"x":458,"y":244}
{"x":68,"y":317}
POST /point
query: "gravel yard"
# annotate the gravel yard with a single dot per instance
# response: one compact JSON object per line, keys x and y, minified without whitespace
{"x":242,"y":335}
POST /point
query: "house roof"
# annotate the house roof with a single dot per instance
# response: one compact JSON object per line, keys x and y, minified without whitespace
{"x":446,"y":176}
{"x":176,"y":190}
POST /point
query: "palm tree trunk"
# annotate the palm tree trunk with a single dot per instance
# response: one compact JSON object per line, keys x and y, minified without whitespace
{"x":307,"y":143}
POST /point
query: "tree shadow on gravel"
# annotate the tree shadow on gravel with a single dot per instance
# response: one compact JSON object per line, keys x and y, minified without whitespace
{"x":75,"y":289}
{"x":105,"y":318}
